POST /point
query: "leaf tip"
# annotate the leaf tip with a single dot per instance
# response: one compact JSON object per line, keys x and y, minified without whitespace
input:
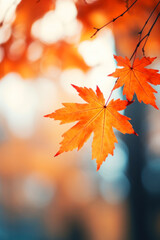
{"x":74,"y":86}
{"x":50,"y":115}
{"x":110,"y":75}
{"x":135,"y":133}
{"x":97,"y":88}
{"x":57,"y":154}
{"x":130,"y":102}
{"x":156,"y":107}
{"x":115,"y":56}
{"x":47,"y":115}
{"x":98,"y":166}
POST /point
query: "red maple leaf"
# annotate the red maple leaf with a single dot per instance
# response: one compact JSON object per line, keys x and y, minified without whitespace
{"x":136,"y":79}
{"x":94,"y":116}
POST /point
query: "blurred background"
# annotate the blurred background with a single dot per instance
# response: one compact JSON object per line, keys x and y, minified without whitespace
{"x":45,"y":46}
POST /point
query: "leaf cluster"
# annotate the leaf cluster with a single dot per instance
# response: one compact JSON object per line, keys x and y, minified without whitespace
{"x":98,"y":116}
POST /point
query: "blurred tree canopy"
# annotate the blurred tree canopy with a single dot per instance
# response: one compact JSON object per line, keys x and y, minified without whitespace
{"x":25,"y":25}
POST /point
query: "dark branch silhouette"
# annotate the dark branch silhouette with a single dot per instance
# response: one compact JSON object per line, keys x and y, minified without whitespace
{"x":145,"y":37}
{"x":113,"y":20}
{"x":140,"y":33}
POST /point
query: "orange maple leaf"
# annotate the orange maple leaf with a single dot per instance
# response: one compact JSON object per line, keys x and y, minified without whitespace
{"x":94,"y":116}
{"x":136,"y":78}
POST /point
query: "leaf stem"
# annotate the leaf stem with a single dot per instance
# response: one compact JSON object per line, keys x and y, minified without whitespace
{"x":110,"y":94}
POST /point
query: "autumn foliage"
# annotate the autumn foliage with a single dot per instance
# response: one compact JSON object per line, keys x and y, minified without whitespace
{"x":136,"y":78}
{"x":96,"y":116}
{"x":100,"y":117}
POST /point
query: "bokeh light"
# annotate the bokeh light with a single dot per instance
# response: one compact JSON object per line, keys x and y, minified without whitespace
{"x":45,"y":47}
{"x":58,"y":24}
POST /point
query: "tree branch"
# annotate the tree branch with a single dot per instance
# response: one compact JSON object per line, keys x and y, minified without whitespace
{"x":145,"y":37}
{"x":140,"y":33}
{"x":113,"y":20}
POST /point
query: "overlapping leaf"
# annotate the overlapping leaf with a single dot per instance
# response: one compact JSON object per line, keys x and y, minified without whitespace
{"x":94,"y":116}
{"x":136,"y":78}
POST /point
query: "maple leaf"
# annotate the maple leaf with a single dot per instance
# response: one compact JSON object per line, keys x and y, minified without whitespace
{"x":136,"y":78}
{"x":94,"y":116}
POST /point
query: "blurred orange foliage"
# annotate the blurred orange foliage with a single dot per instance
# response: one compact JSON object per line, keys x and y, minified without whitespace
{"x":63,"y":54}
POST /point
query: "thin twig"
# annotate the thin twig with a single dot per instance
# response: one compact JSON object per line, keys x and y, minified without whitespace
{"x":127,"y":3}
{"x":144,"y":27}
{"x":113,"y":20}
{"x":145,"y":37}
{"x":144,"y":46}
{"x":140,"y":33}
